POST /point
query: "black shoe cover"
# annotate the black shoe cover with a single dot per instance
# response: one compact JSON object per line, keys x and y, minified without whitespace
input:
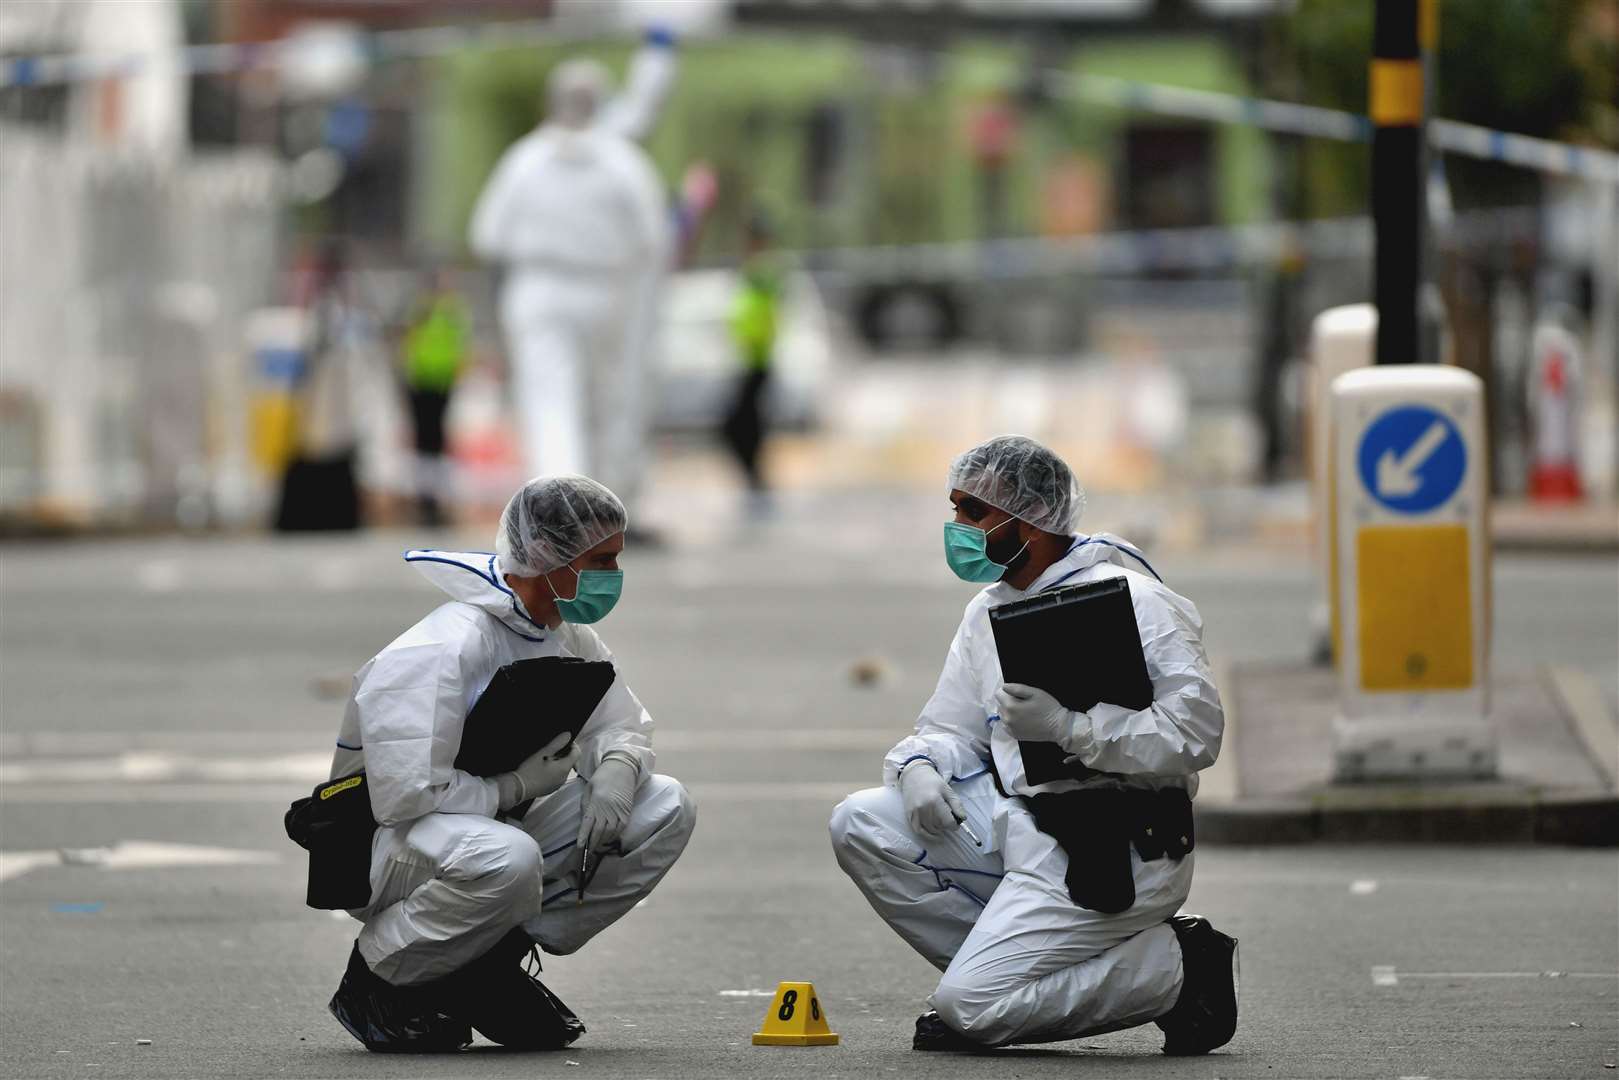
{"x":392,"y":1020}
{"x":1205,"y":1015}
{"x":933,"y":1034}
{"x":504,"y":1002}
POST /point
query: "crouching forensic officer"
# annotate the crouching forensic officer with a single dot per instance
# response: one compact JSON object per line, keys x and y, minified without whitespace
{"x":1051,"y":908}
{"x":468,"y":873}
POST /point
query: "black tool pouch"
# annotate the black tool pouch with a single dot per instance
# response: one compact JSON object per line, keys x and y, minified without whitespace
{"x":1097,"y":826}
{"x":1165,"y":827}
{"x":335,"y":826}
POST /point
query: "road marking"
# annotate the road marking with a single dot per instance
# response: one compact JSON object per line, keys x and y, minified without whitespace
{"x":144,"y":766}
{"x":63,"y":743}
{"x":105,"y":793}
{"x":1363,"y":887}
{"x":748,"y":993}
{"x":736,"y":739}
{"x":131,"y":855}
{"x":17,"y":863}
{"x":1384,"y":975}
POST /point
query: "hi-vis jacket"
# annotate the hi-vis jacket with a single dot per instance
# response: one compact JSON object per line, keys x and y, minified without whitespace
{"x":1161,"y":746}
{"x":405,"y":713}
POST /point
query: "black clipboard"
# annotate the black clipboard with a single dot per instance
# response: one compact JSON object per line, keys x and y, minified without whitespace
{"x":1081,"y":645}
{"x":526,"y":705}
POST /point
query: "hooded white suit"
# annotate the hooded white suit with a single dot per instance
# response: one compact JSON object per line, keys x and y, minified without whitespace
{"x":579,"y":221}
{"x":448,"y":880}
{"x":1022,"y":962}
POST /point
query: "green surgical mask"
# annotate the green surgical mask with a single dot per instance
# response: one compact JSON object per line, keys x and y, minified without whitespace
{"x":965,"y":549}
{"x":596,"y":594}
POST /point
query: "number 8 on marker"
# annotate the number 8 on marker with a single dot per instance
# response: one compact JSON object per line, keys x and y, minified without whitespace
{"x":788,"y":1000}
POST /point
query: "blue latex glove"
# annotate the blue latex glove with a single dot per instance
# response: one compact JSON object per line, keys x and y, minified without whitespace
{"x":661,"y":36}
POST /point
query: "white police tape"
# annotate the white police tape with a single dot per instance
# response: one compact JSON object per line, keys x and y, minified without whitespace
{"x":1452,"y":136}
{"x":1553,"y":157}
{"x":1565,"y":159}
{"x":1214,"y":107}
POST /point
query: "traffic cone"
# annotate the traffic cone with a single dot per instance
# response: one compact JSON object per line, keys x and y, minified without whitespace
{"x":795,"y":1019}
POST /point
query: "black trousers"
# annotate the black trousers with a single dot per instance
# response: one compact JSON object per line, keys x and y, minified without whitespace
{"x":427,"y":408}
{"x":744,"y":427}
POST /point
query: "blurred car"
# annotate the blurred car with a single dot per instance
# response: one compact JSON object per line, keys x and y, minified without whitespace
{"x":698,"y":363}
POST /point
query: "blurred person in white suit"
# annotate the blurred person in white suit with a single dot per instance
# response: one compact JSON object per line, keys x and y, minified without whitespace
{"x":576,"y":215}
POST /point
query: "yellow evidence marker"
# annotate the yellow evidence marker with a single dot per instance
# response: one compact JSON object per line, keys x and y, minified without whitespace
{"x":795,"y":1019}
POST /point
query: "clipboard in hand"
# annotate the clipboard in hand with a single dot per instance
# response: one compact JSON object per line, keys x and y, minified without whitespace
{"x":1081,"y":645}
{"x":526,"y":705}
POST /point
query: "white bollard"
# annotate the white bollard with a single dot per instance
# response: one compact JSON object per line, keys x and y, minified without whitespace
{"x":1554,"y":392}
{"x":1413,"y":568}
{"x":1341,"y":339}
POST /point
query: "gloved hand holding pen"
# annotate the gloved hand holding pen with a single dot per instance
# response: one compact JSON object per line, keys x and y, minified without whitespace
{"x":930,"y":806}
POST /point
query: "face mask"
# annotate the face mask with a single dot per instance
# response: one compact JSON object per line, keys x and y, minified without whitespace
{"x":965,"y":550}
{"x":595,"y":595}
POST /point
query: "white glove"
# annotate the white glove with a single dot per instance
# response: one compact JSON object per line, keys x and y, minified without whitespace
{"x":1031,"y":714}
{"x":930,"y":805}
{"x":608,"y":803}
{"x":541,"y":773}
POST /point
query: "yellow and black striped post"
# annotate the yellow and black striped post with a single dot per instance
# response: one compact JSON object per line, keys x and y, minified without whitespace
{"x":1396,"y":109}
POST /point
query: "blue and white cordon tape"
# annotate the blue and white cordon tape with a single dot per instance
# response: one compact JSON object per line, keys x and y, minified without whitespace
{"x":1565,"y":159}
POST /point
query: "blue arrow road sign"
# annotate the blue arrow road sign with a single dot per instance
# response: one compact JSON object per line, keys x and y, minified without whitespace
{"x":1412,"y":458}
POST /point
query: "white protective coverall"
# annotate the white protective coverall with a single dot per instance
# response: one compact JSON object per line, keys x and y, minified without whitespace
{"x":581,"y":224}
{"x":1022,"y":962}
{"x":448,"y":880}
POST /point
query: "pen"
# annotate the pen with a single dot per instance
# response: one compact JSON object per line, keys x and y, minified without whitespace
{"x":968,"y":829}
{"x":584,"y":876}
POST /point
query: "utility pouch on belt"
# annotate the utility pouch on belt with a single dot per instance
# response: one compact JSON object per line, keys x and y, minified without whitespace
{"x":335,"y":826}
{"x":1096,"y":827}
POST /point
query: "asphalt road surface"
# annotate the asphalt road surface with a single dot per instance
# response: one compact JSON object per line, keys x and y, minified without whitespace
{"x":162,"y":700}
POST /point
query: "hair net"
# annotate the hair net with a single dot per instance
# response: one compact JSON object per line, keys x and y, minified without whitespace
{"x":1023,"y":478}
{"x":576,"y":90}
{"x":553,"y":520}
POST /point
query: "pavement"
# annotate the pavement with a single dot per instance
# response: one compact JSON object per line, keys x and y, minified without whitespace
{"x":162,"y":699}
{"x":1558,"y":742}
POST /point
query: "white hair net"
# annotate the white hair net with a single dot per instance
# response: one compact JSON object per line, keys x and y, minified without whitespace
{"x":576,"y":90}
{"x":1023,"y":478}
{"x":553,"y":520}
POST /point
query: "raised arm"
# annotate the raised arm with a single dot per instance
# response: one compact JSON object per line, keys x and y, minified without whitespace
{"x":634,"y":112}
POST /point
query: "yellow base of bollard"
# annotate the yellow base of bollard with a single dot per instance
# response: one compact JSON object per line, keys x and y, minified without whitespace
{"x":795,"y":1019}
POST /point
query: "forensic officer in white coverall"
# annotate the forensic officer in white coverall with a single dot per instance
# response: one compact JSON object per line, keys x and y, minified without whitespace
{"x":1013,"y":921}
{"x":575,"y":214}
{"x":464,"y":882}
